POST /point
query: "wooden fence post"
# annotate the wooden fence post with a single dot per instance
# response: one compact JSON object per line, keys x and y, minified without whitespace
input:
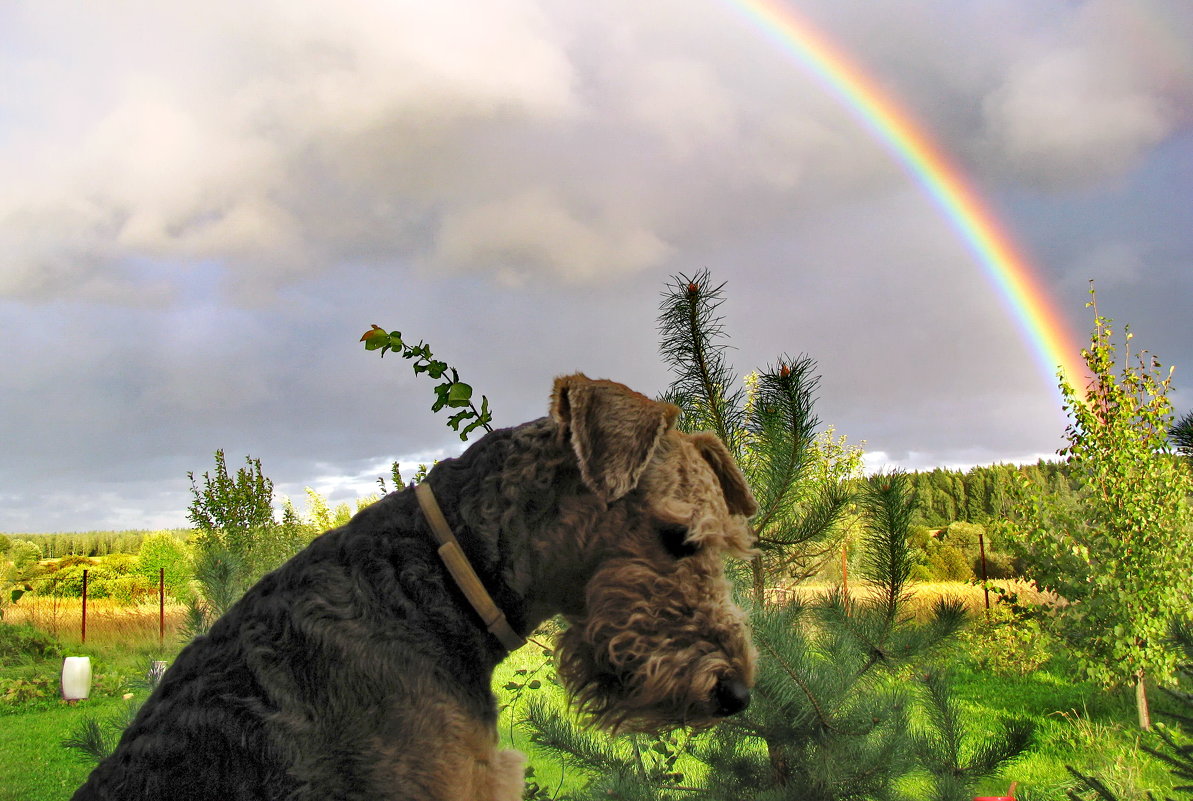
{"x":84,"y":606}
{"x":985,"y":581}
{"x":161,"y":606}
{"x":845,"y":576}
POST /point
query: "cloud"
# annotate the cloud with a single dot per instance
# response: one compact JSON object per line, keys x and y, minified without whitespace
{"x":204,"y":205}
{"x":252,"y":143}
{"x":535,"y":232}
{"x":288,"y":138}
{"x":1089,"y":105}
{"x":1065,"y":118}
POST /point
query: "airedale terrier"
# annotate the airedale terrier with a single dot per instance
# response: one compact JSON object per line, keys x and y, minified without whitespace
{"x":361,"y":668}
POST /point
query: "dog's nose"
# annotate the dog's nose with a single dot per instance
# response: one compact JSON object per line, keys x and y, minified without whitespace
{"x":731,"y":696}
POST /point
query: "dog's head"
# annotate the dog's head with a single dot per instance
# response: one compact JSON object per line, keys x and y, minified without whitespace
{"x":655,"y":639}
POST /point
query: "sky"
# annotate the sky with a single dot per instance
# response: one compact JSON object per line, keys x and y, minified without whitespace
{"x":204,"y":205}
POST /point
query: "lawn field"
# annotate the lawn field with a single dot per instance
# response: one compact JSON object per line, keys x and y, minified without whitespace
{"x":1077,"y":724}
{"x":34,"y":766}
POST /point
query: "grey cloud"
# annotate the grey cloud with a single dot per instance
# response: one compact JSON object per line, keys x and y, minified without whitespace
{"x":195,"y":161}
{"x":1089,"y":106}
{"x":535,"y":231}
{"x":203,"y":209}
{"x":1062,"y":120}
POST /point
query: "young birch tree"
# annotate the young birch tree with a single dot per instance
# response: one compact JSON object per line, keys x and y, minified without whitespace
{"x":1120,"y":556}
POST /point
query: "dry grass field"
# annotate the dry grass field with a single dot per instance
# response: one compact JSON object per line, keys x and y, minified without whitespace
{"x":108,"y":623}
{"x":925,"y":594}
{"x":112,"y":623}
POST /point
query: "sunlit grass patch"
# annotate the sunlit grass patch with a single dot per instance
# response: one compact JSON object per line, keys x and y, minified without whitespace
{"x":108,"y":622}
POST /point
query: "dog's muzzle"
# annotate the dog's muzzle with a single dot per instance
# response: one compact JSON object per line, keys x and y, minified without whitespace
{"x":730,"y":697}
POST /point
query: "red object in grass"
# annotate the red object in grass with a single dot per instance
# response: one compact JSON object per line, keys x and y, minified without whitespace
{"x":1010,"y":796}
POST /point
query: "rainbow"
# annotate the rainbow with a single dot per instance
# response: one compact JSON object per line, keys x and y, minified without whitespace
{"x":1006,"y":267}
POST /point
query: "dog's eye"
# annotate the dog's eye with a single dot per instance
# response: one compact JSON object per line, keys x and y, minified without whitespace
{"x":674,"y":541}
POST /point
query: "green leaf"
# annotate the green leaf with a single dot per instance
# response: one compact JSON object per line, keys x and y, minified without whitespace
{"x":372,"y":334}
{"x":459,"y":394}
{"x":458,"y":418}
{"x":473,"y":426}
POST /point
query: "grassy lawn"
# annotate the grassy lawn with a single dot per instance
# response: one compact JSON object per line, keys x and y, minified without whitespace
{"x":1076,"y":724}
{"x":34,"y":765}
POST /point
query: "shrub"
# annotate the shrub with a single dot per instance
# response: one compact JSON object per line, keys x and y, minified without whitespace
{"x":19,"y":690}
{"x":166,"y":551}
{"x":24,"y":555}
{"x":25,"y":643}
{"x":948,"y":563}
{"x":120,"y":564}
{"x":998,"y":565}
{"x":74,"y":560}
{"x":67,"y":582}
{"x":130,"y":589}
{"x":942,"y":555}
{"x":1008,"y":642}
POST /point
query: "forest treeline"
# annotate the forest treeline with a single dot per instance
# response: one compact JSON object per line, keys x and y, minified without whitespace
{"x":983,"y":494}
{"x":952,"y":507}
{"x":88,"y":543}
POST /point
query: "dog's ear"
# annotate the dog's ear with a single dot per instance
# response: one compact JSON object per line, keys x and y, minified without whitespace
{"x":613,"y":430}
{"x":738,"y":497}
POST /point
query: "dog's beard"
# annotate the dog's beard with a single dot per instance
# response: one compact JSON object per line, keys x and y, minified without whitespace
{"x":645,"y":658}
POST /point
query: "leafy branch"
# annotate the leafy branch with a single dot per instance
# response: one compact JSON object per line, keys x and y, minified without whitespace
{"x":451,"y":394}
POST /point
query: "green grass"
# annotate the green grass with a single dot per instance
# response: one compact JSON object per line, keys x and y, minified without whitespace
{"x":34,"y":765}
{"x":1077,"y":724}
{"x":523,"y":667}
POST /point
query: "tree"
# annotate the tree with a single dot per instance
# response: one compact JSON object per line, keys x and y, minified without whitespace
{"x":1171,"y":746}
{"x":951,"y":756}
{"x":232,"y":512}
{"x":24,"y":555}
{"x":829,"y":717}
{"x":164,"y":551}
{"x":828,"y":720}
{"x":238,"y":540}
{"x":769,"y":425}
{"x":1181,"y":435}
{"x":1120,"y":555}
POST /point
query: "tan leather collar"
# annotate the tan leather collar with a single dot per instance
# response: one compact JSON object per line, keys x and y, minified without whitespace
{"x":466,"y":579}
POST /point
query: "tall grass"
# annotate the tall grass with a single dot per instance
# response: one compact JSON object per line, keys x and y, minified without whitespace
{"x":109,"y":623}
{"x":925,"y":594}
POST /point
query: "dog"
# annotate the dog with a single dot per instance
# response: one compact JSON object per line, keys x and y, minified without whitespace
{"x":361,"y":668}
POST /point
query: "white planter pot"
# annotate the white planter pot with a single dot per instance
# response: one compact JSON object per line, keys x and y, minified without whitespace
{"x":76,"y":678}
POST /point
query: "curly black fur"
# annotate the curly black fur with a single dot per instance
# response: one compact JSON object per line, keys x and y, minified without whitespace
{"x":294,"y":688}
